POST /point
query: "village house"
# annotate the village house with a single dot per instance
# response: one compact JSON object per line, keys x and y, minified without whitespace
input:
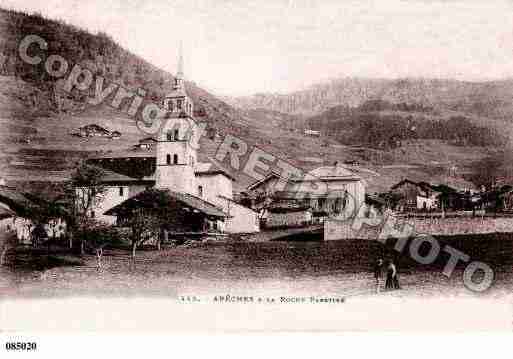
{"x":278,"y":216}
{"x":415,"y":196}
{"x":312,"y":133}
{"x":115,"y":135}
{"x":324,"y":192}
{"x":169,"y":161}
{"x":14,"y":207}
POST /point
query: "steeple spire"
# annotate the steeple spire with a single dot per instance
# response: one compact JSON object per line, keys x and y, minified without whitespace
{"x":179,"y":72}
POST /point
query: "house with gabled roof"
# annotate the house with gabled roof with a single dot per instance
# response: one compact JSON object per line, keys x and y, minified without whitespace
{"x":324,"y":191}
{"x":414,"y":196}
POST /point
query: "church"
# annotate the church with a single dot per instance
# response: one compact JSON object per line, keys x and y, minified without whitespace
{"x":170,"y":161}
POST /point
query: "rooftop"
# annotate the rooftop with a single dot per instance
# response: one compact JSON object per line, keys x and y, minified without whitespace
{"x":333,"y":172}
{"x":148,"y":199}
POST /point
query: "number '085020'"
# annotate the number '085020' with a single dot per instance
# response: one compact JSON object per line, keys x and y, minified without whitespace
{"x":20,"y":346}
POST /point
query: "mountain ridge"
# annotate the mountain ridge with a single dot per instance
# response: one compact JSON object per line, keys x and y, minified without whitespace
{"x":488,"y":98}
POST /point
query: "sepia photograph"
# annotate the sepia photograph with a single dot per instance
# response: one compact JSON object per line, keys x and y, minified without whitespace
{"x":217,"y":166}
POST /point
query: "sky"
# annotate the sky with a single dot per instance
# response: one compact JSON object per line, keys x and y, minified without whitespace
{"x":243,"y":47}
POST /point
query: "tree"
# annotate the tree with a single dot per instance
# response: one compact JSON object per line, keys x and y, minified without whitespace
{"x":42,"y":212}
{"x":8,"y":241}
{"x":144,"y":224}
{"x":97,"y":236}
{"x":82,"y":194}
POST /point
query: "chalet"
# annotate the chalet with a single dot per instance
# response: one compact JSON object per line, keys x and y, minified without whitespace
{"x":415,"y":196}
{"x":14,"y":212}
{"x":115,"y":135}
{"x":93,"y":130}
{"x":187,"y":215}
{"x":147,"y":143}
{"x":279,"y":216}
{"x":312,"y":133}
{"x":324,"y":191}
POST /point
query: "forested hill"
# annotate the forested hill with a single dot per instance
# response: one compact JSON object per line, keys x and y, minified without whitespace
{"x":381,"y":124}
{"x":96,"y":52}
{"x":491,"y":99}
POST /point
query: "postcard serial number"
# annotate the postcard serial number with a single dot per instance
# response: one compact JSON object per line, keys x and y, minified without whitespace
{"x":21,"y":346}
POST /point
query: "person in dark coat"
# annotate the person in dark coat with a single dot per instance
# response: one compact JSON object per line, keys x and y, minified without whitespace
{"x":391,"y":273}
{"x":38,"y":235}
{"x":378,"y":272}
{"x":392,"y":281}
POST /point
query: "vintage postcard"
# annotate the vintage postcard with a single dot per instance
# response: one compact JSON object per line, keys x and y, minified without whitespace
{"x":255,"y":166}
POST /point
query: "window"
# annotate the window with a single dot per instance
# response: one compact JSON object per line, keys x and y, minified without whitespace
{"x":169,"y":136}
{"x":175,"y":159}
{"x":177,"y":137}
{"x":121,"y":191}
{"x":338,"y":205}
{"x":92,"y":214}
{"x":168,"y":159}
{"x":179,"y":104}
{"x":321,"y":202}
{"x":170,"y":105}
{"x":200,"y":191}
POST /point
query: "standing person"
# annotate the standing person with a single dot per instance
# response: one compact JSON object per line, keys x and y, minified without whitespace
{"x":395,"y":278}
{"x":378,"y":271}
{"x":391,"y":272}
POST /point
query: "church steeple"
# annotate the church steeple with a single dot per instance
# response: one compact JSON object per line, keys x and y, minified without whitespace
{"x":177,"y":103}
{"x":179,"y":72}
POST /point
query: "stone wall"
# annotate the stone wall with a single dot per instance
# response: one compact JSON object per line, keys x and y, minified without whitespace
{"x":288,"y":219}
{"x":334,"y":230}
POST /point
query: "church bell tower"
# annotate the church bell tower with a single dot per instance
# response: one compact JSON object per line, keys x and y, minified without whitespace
{"x":175,"y":155}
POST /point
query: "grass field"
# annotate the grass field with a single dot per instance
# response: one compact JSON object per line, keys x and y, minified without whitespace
{"x":341,"y":268}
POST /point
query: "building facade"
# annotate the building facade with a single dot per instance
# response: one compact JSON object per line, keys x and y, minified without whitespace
{"x":325,"y":191}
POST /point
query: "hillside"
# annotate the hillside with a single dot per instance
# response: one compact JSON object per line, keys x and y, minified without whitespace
{"x":383,"y":125}
{"x":37,"y":119}
{"x":489,"y":99}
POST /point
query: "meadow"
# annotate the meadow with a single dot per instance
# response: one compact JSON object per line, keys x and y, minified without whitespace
{"x":297,"y":267}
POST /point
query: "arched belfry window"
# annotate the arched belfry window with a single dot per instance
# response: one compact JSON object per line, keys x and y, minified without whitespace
{"x":168,"y":159}
{"x":175,"y":159}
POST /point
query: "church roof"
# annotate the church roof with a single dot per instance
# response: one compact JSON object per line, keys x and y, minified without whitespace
{"x":111,"y":176}
{"x":212,"y":168}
